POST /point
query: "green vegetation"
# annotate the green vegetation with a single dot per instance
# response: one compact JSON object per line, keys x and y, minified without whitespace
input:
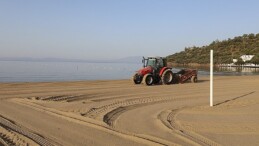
{"x":224,"y":51}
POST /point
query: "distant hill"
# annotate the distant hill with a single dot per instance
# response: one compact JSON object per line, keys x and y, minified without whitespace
{"x":224,"y":51}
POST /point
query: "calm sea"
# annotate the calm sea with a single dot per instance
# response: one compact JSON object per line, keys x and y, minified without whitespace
{"x":25,"y":71}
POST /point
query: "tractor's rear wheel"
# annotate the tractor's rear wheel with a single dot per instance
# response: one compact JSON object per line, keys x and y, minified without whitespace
{"x":194,"y":79}
{"x":148,"y":79}
{"x":137,"y":79}
{"x":167,"y":77}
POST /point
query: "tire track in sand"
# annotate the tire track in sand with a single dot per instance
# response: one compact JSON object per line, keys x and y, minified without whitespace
{"x":95,"y":124}
{"x":100,"y":111}
{"x":168,"y":118}
{"x":12,"y":126}
{"x":11,"y":138}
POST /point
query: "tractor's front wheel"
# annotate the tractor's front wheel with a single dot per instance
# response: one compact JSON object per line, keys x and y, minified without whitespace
{"x":148,"y":79}
{"x":137,"y":79}
{"x":167,"y":77}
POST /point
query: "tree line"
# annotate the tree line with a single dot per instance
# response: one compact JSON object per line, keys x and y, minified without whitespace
{"x":224,"y":51}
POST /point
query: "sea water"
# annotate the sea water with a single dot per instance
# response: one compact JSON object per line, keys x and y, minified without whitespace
{"x":28,"y":71}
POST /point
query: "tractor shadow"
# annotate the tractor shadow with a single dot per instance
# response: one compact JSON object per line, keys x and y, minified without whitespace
{"x":229,"y":100}
{"x":202,"y":81}
{"x":198,"y":81}
{"x":177,"y":82}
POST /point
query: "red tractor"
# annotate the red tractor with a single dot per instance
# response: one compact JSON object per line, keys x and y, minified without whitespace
{"x":154,"y":71}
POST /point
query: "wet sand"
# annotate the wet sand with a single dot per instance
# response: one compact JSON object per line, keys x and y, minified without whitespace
{"x":120,"y":113}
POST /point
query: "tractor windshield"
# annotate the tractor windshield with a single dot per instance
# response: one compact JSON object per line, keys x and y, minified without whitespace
{"x":151,"y":62}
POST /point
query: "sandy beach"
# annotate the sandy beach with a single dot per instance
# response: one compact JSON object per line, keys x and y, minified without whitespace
{"x":116,"y":113}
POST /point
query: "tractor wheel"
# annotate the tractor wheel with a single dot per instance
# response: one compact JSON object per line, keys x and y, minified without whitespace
{"x":194,"y":79}
{"x":137,"y":79}
{"x":167,"y":77}
{"x":148,"y":79}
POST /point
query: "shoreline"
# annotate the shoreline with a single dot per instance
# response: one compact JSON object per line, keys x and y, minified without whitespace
{"x":207,"y":65}
{"x":200,"y":74}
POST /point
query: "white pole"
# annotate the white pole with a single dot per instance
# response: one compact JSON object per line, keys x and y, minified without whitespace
{"x":211,"y":77}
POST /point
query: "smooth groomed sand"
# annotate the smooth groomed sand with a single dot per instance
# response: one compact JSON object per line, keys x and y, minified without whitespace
{"x":118,"y":113}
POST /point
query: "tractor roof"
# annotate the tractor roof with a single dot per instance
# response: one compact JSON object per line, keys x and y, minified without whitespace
{"x":154,"y":57}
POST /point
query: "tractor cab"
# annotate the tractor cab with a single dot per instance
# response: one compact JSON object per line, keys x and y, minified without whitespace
{"x":154,"y":62}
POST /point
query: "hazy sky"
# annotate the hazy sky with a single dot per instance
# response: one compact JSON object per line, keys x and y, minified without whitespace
{"x":90,"y":29}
